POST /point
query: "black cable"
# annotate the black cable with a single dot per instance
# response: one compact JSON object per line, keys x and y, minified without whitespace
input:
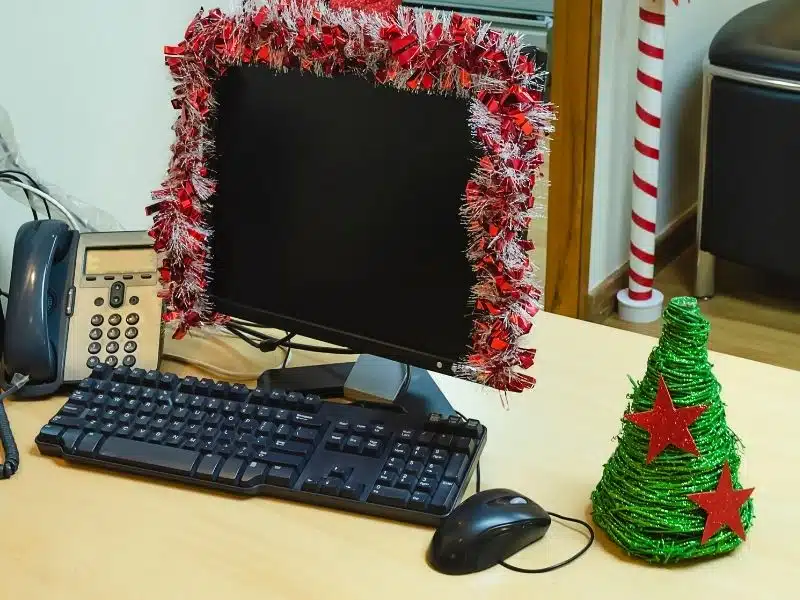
{"x":28,"y":194}
{"x":2,"y":293}
{"x":11,"y":464}
{"x":34,"y":183}
{"x":269,"y":343}
{"x":563,"y":562}
{"x":552,"y":514}
{"x":288,"y":352}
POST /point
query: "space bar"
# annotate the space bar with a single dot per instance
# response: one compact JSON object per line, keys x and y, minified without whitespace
{"x":148,"y":456}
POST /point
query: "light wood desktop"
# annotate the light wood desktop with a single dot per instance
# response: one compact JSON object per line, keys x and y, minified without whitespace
{"x":72,"y":532}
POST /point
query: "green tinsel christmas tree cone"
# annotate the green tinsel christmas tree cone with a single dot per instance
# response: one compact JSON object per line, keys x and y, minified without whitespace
{"x":644,"y":507}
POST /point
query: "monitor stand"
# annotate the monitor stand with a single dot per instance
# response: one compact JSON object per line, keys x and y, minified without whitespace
{"x":371,"y":380}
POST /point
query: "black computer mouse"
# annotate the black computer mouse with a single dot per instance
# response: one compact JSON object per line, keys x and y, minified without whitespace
{"x":485,"y":529}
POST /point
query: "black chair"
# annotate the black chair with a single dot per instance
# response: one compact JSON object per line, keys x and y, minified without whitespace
{"x":749,"y":204}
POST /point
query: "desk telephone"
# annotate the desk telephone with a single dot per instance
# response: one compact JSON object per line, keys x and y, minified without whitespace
{"x":77,"y":300}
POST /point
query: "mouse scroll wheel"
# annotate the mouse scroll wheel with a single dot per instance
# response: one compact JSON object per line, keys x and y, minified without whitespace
{"x":518,"y":500}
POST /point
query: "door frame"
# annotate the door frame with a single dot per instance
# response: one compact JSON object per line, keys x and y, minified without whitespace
{"x":574,"y":81}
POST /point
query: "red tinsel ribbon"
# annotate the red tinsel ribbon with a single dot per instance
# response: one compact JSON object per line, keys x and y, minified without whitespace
{"x":435,"y":57}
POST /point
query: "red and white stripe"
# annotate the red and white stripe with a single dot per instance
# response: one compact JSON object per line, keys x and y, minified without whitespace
{"x":647,"y":144}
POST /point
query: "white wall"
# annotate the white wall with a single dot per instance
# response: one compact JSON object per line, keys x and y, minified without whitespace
{"x":690,"y":29}
{"x":87,"y":92}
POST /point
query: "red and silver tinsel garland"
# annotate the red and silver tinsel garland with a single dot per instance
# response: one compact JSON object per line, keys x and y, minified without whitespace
{"x":410,"y":49}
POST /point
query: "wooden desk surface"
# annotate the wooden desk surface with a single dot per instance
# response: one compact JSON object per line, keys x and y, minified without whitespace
{"x":72,"y":532}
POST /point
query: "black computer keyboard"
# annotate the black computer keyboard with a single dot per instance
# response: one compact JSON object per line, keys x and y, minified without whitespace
{"x":250,"y":441}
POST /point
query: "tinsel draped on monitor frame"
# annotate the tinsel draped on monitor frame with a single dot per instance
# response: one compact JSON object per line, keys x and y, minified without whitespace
{"x":411,"y":49}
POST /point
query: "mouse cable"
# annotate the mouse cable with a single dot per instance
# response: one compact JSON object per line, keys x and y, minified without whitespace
{"x":563,"y":563}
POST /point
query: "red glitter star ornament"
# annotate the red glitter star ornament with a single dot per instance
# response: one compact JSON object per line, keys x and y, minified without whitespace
{"x":667,"y":424}
{"x":723,"y":506}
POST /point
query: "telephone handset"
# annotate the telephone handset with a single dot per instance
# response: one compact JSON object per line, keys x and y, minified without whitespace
{"x":77,"y":300}
{"x":36,"y":330}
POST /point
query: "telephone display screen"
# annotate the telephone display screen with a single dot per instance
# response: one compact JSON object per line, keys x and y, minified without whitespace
{"x":120,"y":260}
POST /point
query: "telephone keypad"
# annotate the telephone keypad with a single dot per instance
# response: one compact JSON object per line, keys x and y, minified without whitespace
{"x":97,"y":320}
{"x":111,"y":361}
{"x":132,"y":319}
{"x":129,"y":361}
{"x":134,"y":300}
{"x":114,"y":319}
{"x":113,"y":333}
{"x":94,"y":347}
{"x":130,"y":347}
{"x":112,"y":347}
{"x":131,"y":332}
{"x":96,"y":334}
{"x":98,"y":301}
{"x":92,"y":362}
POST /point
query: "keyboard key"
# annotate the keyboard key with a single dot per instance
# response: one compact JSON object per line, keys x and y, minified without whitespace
{"x":471,"y":428}
{"x":435,"y":422}
{"x":263,"y":413}
{"x":419,"y":501}
{"x":387,"y":478}
{"x":420,"y":453}
{"x":406,"y":482}
{"x":266,"y":428}
{"x":282,"y":476}
{"x":276,"y":397}
{"x":307,"y":420}
{"x":464,"y":444}
{"x":282,"y":415}
{"x":330,"y":486}
{"x":414,"y":467}
{"x":373,"y":447}
{"x":425,"y":438}
{"x":427,"y":485}
{"x":108,"y":428}
{"x":89,"y":444}
{"x":203,"y":387}
{"x":239,"y":391}
{"x":284,"y":431}
{"x":407,"y":435}
{"x":433,"y":471}
{"x":456,"y":467}
{"x":49,"y":434}
{"x":286,"y":460}
{"x":439,"y":456}
{"x":248,"y":425}
{"x":247,"y":410}
{"x":156,"y":437}
{"x":140,"y":433}
{"x":71,"y":410}
{"x":148,"y":456}
{"x":342,"y":426}
{"x":174,"y":440}
{"x":80,"y":397}
{"x":67,"y":421}
{"x":191,"y":443}
{"x":311,"y":484}
{"x":243,"y":452}
{"x":353,"y":444}
{"x":293,"y":400}
{"x":253,"y":474}
{"x":352,"y":491}
{"x":70,"y":438}
{"x":389,"y":496}
{"x":444,"y":497}
{"x":257,"y":396}
{"x":444,"y":440}
{"x":311,"y":403}
{"x":401,"y":450}
{"x":207,"y":469}
{"x":291,"y":447}
{"x":335,"y":442}
{"x":221,"y":390}
{"x":213,"y":405}
{"x":395,"y":464}
{"x":230,"y":407}
{"x":306,"y":435}
{"x":360,"y":429}
{"x":225,"y":449}
{"x":378,"y":431}
{"x":187,"y":384}
{"x":341,"y":472}
{"x":230,"y":471}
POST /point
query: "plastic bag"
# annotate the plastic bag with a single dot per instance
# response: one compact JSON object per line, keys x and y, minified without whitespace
{"x":89,"y":217}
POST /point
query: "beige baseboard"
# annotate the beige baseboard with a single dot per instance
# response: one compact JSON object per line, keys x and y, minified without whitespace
{"x":670,"y":244}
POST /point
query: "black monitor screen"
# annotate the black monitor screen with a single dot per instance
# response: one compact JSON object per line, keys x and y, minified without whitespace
{"x":336,"y":214}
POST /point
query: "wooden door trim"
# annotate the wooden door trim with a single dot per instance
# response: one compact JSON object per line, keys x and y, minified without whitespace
{"x":574,"y":81}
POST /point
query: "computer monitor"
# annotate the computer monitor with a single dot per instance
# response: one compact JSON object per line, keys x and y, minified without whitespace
{"x":344,"y":196}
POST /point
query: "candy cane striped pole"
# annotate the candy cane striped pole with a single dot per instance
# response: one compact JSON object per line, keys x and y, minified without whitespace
{"x":640,"y":302}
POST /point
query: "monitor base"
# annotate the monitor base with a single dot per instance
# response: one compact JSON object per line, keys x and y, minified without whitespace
{"x":369,"y":381}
